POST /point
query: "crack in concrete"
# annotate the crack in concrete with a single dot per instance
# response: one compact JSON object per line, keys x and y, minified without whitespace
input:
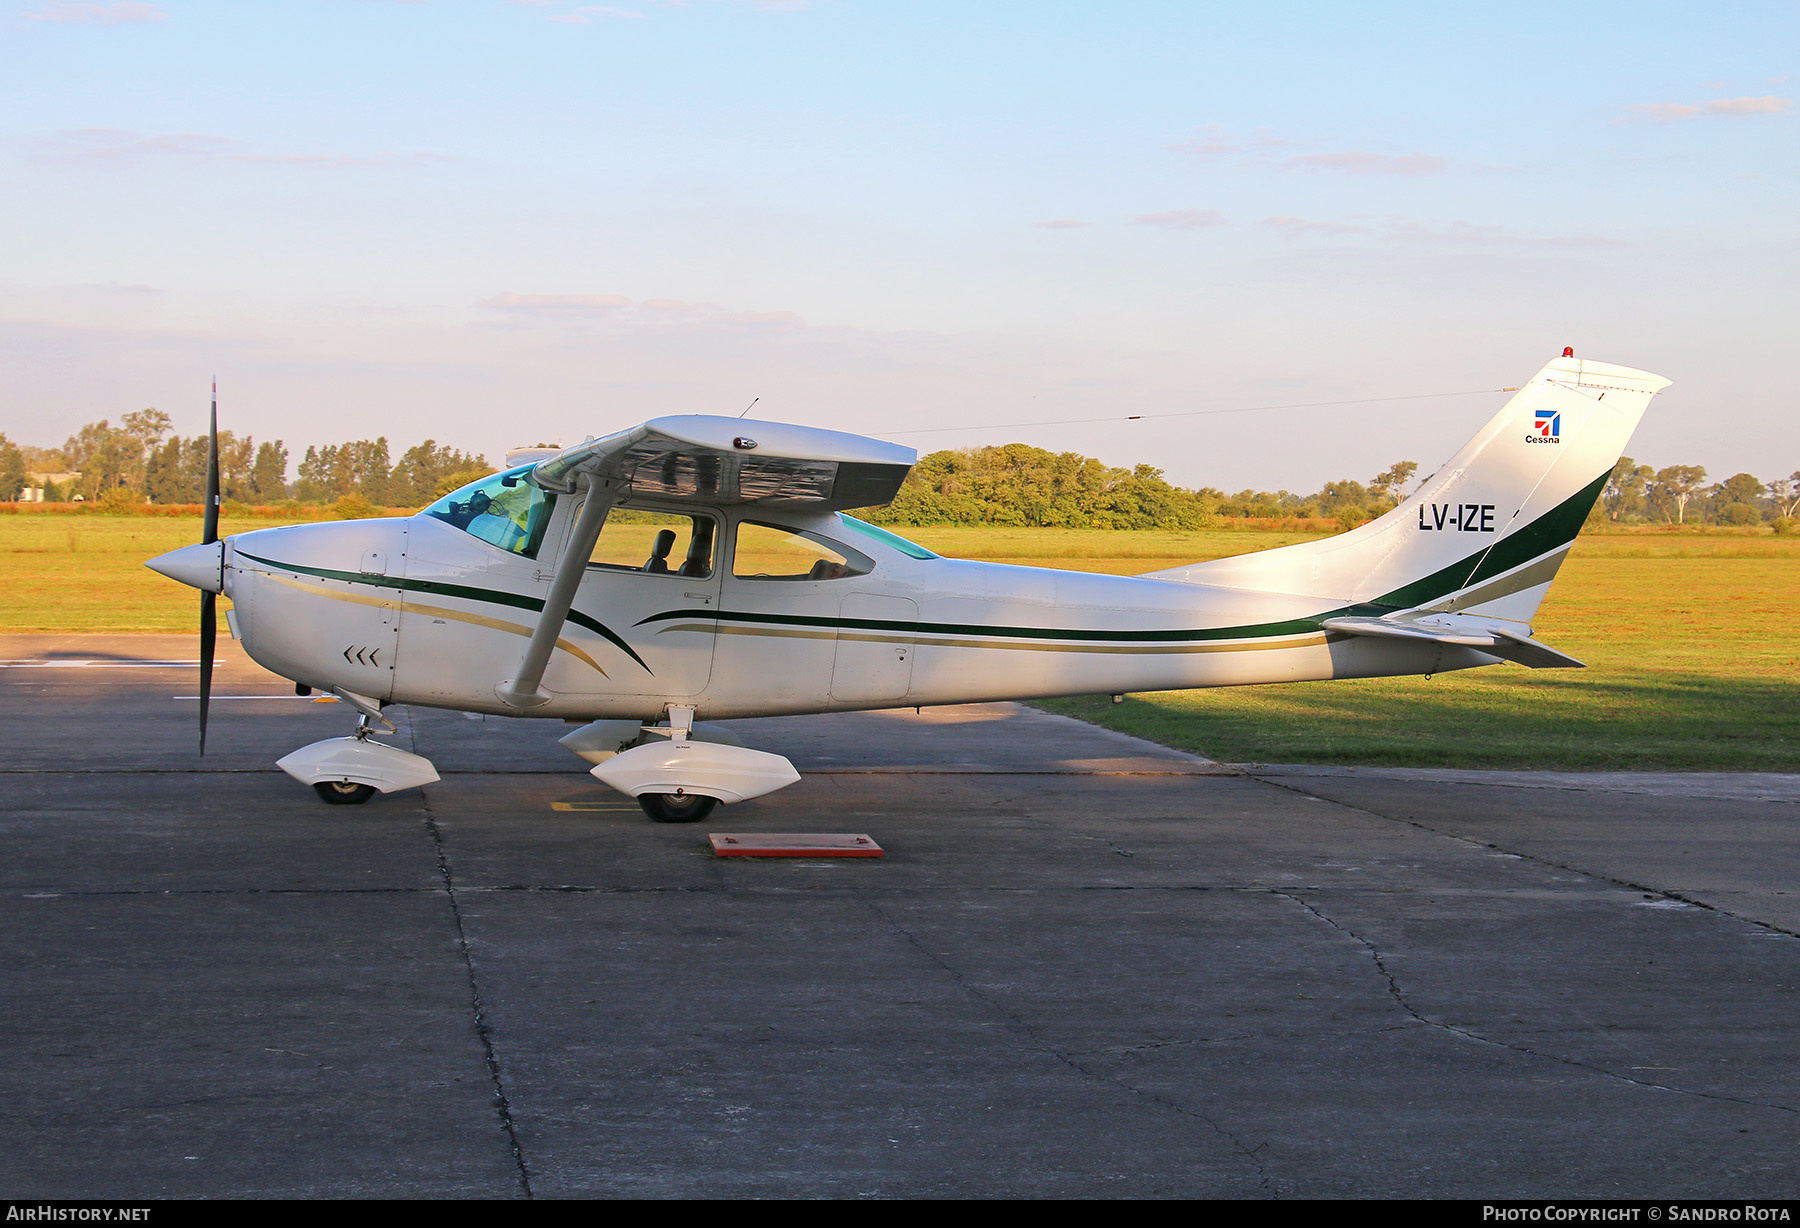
{"x":501,"y":1105}
{"x":1536,"y":858}
{"x":1399,"y":996}
{"x":1249,"y":1153}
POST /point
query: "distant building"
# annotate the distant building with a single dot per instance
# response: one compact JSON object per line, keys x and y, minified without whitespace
{"x":35,"y":484}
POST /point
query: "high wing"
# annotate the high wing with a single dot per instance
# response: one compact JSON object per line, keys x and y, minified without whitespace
{"x":697,"y":459}
{"x":720,"y":461}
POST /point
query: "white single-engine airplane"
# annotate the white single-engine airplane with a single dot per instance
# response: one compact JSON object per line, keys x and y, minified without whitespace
{"x":699,"y":567}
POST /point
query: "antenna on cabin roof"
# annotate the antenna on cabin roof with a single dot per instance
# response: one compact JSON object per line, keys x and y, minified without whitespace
{"x":750,"y":407}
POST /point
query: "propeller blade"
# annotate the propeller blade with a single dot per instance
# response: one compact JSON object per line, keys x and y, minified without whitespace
{"x":210,"y":533}
{"x":209,"y":627}
{"x":209,"y":618}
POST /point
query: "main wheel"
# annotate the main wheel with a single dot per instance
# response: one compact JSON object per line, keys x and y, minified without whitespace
{"x":344,"y":792}
{"x":677,"y":807}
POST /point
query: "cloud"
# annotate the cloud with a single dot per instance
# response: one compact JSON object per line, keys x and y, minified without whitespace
{"x":1060,"y":223}
{"x":1359,"y":163}
{"x":587,"y":14}
{"x":1213,"y":143}
{"x":331,"y":160}
{"x":1472,"y":233}
{"x":1669,"y":112}
{"x":618,"y":308}
{"x":1182,"y":219}
{"x":1294,"y":227}
{"x":110,"y":303}
{"x":556,"y":304}
{"x":115,"y":14}
{"x":1406,"y":230}
{"x":1209,"y":140}
{"x":120,"y":145}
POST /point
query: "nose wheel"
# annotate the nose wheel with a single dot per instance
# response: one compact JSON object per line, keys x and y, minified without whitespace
{"x":344,"y":792}
{"x":677,"y":807}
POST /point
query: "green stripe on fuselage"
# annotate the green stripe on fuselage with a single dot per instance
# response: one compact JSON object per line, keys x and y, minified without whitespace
{"x":1554,"y":529}
{"x":1549,"y":532}
{"x":436,"y":588}
{"x":1294,"y":626}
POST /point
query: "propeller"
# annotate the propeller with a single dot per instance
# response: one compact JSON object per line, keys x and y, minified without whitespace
{"x":209,"y":618}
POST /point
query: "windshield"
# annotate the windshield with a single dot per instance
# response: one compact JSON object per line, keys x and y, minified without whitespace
{"x":504,"y":510}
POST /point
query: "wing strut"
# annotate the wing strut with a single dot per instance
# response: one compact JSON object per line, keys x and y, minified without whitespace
{"x":522,"y":690}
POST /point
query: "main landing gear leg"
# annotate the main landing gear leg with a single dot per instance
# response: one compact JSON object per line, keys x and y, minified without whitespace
{"x":679,"y":806}
{"x":680,"y":779}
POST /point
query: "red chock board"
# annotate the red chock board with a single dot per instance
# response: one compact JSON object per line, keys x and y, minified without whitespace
{"x":792,"y":844}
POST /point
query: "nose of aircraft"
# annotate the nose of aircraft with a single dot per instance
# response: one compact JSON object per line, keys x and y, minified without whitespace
{"x":202,"y":566}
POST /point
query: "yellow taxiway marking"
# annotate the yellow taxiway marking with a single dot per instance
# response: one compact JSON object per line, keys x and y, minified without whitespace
{"x":592,"y":807}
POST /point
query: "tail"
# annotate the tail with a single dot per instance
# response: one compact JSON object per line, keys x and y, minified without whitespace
{"x":1486,"y":533}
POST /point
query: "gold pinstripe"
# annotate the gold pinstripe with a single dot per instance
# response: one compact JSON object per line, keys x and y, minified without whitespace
{"x":413,"y":607}
{"x":1296,"y":641}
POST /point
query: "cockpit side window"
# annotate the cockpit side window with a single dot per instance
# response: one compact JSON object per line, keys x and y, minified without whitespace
{"x":505,"y":510}
{"x":777,"y":552}
{"x":656,"y":543}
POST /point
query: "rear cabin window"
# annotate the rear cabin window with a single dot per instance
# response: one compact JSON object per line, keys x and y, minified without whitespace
{"x":655,"y":543}
{"x":774,"y":552}
{"x":914,"y":549}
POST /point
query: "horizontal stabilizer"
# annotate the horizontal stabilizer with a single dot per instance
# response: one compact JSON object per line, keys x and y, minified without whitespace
{"x":1464,"y":632}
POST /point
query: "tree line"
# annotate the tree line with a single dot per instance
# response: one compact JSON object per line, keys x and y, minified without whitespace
{"x":1638,"y":494}
{"x":1017,"y":484}
{"x":140,"y":460}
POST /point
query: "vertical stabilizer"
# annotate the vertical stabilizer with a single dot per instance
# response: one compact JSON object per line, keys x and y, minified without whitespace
{"x":1486,"y":532}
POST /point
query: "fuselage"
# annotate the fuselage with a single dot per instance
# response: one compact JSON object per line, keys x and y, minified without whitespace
{"x":423,"y":611}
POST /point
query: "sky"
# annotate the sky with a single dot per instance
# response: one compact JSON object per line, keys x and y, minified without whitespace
{"x":498,"y":223}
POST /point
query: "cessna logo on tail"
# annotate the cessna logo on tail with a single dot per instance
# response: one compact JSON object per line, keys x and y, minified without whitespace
{"x":1548,"y":424}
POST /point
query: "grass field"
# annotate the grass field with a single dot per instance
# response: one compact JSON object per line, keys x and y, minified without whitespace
{"x":1689,"y":637}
